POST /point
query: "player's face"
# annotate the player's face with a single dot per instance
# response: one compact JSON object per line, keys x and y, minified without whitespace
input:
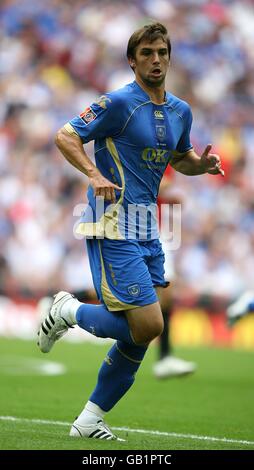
{"x":151,"y":62}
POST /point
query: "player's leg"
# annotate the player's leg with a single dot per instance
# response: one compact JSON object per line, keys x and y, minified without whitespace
{"x":109,"y":259}
{"x":65,"y":311}
{"x":164,"y":343}
{"x":122,"y":362}
{"x":116,"y":376}
{"x":119,"y":368}
{"x":168,"y":365}
{"x":162,"y":271}
{"x":166,"y":303}
{"x":122,"y":282}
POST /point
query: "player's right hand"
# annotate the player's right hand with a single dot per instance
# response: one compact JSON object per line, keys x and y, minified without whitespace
{"x":104,"y":188}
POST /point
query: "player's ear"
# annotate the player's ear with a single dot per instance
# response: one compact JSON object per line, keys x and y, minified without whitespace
{"x":132,"y":62}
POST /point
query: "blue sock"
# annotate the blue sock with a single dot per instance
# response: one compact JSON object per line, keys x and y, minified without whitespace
{"x":117,"y":374}
{"x":251,"y":307}
{"x":96,"y":319}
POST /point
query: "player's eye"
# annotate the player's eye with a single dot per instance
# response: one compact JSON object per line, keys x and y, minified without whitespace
{"x":146,"y":52}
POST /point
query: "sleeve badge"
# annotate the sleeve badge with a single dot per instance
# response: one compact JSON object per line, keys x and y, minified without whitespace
{"x":88,"y":115}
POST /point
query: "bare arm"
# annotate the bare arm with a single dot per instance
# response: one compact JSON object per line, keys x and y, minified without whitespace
{"x":70,"y":145}
{"x":190,"y":163}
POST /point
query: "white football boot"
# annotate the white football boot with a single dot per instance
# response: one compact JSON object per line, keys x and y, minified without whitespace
{"x":240,"y":307}
{"x":54,"y":326}
{"x":171,"y":366}
{"x":97,"y":430}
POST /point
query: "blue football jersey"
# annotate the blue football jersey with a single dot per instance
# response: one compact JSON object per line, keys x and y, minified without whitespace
{"x":134,"y":142}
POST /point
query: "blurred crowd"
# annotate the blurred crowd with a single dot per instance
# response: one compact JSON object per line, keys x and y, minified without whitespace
{"x":56,"y":57}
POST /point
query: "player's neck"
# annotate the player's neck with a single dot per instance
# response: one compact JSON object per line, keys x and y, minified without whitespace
{"x":156,"y":94}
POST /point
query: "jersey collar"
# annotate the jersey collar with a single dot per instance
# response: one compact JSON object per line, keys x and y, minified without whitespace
{"x":143,"y":92}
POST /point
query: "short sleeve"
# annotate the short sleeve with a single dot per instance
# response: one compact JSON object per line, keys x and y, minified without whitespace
{"x":103,"y":118}
{"x":184,"y":143}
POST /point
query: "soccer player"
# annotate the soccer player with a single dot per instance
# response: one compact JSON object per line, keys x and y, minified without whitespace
{"x":137,"y":130}
{"x":241,"y":307}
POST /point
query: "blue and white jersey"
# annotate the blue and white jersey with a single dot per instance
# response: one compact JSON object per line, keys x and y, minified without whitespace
{"x":134,"y":142}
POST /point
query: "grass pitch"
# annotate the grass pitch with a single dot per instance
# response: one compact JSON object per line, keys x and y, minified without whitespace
{"x":212,"y":409}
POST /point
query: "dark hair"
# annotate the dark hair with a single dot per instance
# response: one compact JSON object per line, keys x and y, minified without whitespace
{"x":149,"y":32}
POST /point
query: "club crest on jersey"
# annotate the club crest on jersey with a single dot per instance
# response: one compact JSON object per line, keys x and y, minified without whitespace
{"x":134,"y":290}
{"x":88,"y":115}
{"x":158,"y":114}
{"x":161,"y":133}
{"x":102,"y":101}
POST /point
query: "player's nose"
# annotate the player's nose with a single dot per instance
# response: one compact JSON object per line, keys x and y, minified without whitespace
{"x":156,"y":58}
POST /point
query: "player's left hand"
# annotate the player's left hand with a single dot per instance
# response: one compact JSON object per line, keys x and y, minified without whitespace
{"x":211,"y":162}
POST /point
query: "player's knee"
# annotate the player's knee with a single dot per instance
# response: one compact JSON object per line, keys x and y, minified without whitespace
{"x":157,"y":328}
{"x":145,"y":335}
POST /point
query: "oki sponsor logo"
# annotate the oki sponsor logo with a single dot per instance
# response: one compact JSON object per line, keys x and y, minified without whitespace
{"x":155,"y":155}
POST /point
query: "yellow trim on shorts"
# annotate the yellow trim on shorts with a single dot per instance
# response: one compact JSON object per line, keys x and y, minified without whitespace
{"x":113,"y":303}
